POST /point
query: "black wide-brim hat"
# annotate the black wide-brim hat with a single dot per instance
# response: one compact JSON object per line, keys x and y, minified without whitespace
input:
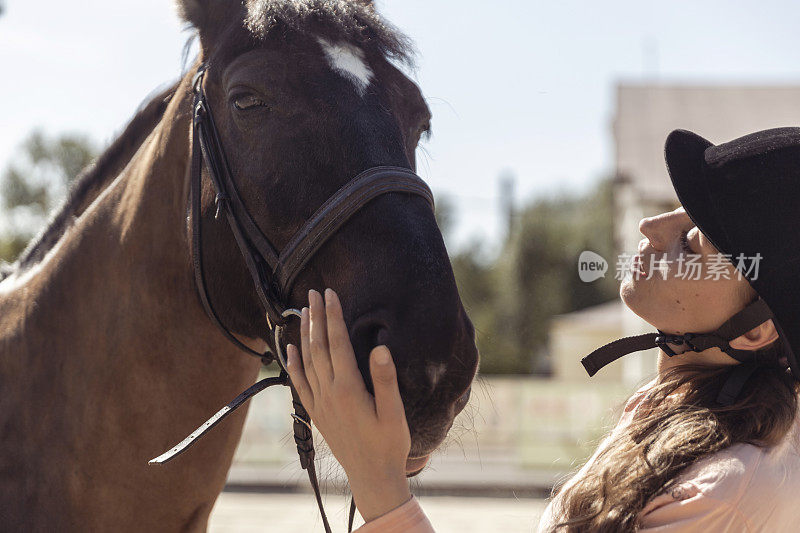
{"x":744,"y":195}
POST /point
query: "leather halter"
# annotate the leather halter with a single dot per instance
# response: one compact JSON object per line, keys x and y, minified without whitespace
{"x":273,"y":272}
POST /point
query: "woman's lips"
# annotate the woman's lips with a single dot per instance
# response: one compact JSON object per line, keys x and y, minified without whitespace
{"x":637,"y":266}
{"x":414,"y":465}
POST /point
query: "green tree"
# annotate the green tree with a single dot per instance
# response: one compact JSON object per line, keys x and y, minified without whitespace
{"x":35,"y":182}
{"x":512,"y":299}
{"x":480,"y":284}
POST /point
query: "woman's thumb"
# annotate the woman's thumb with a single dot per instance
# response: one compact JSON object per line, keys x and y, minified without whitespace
{"x":388,"y":403}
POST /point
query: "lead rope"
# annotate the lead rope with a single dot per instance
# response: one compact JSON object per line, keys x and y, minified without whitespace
{"x":303,"y":436}
{"x":352,"y":514}
{"x":219,"y":416}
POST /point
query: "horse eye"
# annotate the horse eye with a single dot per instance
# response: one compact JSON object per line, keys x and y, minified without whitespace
{"x":248,"y":101}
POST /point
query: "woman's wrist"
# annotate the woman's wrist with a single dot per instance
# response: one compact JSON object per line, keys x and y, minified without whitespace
{"x":376,"y":496}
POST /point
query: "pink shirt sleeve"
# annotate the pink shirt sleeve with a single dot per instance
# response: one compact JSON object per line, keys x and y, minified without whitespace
{"x":408,"y":518}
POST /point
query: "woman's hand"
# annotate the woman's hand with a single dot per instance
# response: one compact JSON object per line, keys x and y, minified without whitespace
{"x":368,"y":435}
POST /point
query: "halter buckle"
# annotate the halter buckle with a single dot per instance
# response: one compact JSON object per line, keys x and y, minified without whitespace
{"x":198,"y":78}
{"x":199,"y":111}
{"x":663,"y":340}
{"x":219,"y":201}
{"x":687,"y":339}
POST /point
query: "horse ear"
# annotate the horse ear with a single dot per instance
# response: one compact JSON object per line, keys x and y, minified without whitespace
{"x":193,"y":11}
{"x":207,"y":16}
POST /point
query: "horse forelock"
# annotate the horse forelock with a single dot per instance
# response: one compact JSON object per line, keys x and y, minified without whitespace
{"x":93,"y":180}
{"x":352,"y":21}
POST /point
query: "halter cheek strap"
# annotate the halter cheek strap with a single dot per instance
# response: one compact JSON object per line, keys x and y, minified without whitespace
{"x":755,"y":314}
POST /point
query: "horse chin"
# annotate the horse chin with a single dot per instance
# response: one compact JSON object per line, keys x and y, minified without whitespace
{"x":423,"y":445}
{"x":415,"y":465}
{"x":427,"y":435}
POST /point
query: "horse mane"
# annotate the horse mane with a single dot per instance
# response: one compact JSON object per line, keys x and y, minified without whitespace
{"x":88,"y":185}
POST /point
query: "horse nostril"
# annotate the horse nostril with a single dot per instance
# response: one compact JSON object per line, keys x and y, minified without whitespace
{"x":367,"y":332}
{"x":381,"y":336}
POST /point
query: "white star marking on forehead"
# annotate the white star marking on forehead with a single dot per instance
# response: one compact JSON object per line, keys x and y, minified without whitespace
{"x":349,"y":61}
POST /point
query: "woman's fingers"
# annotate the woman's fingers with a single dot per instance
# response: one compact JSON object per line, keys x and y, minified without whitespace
{"x":320,"y":352}
{"x":305,"y":347}
{"x":343,"y":358}
{"x":298,"y":377}
{"x":388,"y":403}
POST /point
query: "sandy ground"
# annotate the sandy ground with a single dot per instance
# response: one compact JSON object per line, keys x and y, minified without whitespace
{"x":297,"y":513}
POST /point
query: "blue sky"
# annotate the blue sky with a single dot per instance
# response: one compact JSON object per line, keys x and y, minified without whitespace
{"x":519,"y":86}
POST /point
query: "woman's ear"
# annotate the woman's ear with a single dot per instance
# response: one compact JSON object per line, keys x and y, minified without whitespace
{"x":757,"y":338}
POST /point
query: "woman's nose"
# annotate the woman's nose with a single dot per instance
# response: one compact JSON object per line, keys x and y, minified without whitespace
{"x":649,"y":227}
{"x":661,"y":229}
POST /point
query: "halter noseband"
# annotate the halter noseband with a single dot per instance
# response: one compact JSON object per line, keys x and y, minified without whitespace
{"x":273,"y":272}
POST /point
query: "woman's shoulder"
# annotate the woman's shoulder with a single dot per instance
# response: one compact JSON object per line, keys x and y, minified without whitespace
{"x":753,"y":483}
{"x":732,"y":473}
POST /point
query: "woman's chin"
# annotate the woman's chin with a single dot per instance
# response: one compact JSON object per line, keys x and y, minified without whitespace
{"x":637,"y":300}
{"x":627,"y":292}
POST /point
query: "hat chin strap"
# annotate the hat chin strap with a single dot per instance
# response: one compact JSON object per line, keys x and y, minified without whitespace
{"x":755,"y":314}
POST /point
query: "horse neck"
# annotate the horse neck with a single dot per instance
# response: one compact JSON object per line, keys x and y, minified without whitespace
{"x":108,"y":337}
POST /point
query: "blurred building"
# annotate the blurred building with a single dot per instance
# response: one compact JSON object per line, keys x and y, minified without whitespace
{"x":643,"y":117}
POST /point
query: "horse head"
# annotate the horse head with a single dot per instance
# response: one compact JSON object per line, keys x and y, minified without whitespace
{"x":306,"y":95}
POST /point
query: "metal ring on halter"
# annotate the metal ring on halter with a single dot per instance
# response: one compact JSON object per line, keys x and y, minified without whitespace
{"x":278,"y":331}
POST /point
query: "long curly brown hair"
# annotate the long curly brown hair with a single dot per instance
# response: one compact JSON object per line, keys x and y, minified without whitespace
{"x":676,"y":424}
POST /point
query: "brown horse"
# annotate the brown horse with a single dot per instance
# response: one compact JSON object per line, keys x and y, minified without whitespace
{"x":106,"y":355}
